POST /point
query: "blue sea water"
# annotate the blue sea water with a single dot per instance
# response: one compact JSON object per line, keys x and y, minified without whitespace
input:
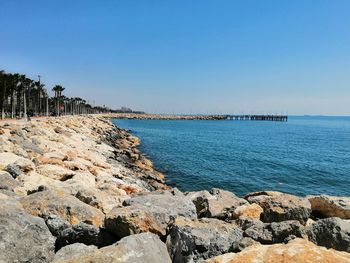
{"x":306,"y":155}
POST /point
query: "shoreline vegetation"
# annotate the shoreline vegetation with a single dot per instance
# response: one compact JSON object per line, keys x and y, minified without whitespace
{"x":22,"y":97}
{"x":77,"y":189}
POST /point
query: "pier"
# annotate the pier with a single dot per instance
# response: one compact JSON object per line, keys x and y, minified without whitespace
{"x":282,"y":118}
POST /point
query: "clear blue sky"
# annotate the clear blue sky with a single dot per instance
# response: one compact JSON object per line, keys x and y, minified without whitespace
{"x":186,"y":56}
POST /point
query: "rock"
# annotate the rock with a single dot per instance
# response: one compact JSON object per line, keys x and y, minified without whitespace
{"x":280,"y":207}
{"x":248,"y":211}
{"x":330,"y":206}
{"x":7,"y":182}
{"x":164,"y":205}
{"x":331,"y":233}
{"x":7,"y":158}
{"x":13,"y":170}
{"x":86,"y":234}
{"x":23,"y":237}
{"x":296,"y":251}
{"x":54,"y":202}
{"x":139,"y":248}
{"x":103,"y":200}
{"x":192,"y":241}
{"x":55,"y":172}
{"x":56,"y":224}
{"x":217,"y":203}
{"x":72,"y":251}
{"x":276,"y":232}
{"x":130,"y":220}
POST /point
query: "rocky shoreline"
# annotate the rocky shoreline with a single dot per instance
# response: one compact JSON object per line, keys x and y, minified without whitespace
{"x":77,"y":189}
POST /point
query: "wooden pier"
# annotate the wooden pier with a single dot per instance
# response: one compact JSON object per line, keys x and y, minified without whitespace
{"x":282,"y":118}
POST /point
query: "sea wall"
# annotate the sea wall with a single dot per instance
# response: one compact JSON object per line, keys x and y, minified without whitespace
{"x":77,"y":189}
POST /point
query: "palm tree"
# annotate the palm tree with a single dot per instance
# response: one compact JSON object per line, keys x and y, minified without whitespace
{"x":58,"y":93}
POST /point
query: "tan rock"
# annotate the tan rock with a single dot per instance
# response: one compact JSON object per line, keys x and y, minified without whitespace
{"x":296,"y":251}
{"x":280,"y":206}
{"x":7,"y":158}
{"x":248,"y":211}
{"x":217,"y":203}
{"x":63,"y":205}
{"x":129,"y":220}
{"x":55,"y":172}
{"x":330,"y":206}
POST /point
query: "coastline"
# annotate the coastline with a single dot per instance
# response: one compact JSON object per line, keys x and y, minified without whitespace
{"x":89,"y":194}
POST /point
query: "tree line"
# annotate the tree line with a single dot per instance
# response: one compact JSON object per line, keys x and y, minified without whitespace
{"x":22,"y":97}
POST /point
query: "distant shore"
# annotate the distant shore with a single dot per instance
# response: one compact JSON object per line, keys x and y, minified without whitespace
{"x":147,"y":116}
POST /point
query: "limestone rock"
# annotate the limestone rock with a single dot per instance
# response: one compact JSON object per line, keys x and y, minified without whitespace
{"x":296,"y":251}
{"x":129,"y":220}
{"x":140,"y":248}
{"x":63,"y":205}
{"x":192,"y":241}
{"x":330,"y":206}
{"x":279,"y":206}
{"x":7,"y":182}
{"x":217,"y":203}
{"x":331,"y":232}
{"x":164,"y":205}
{"x":247,"y":211}
{"x":72,"y":251}
{"x":23,"y":237}
{"x":55,"y":172}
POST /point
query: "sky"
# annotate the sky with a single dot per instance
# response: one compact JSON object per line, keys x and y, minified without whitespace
{"x":186,"y":56}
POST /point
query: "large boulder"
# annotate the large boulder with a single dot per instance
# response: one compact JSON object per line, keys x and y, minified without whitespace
{"x":140,"y":248}
{"x":190,"y":240}
{"x":215,"y":203}
{"x":54,"y":202}
{"x":331,"y":233}
{"x":129,"y":220}
{"x":23,"y":237}
{"x":276,"y":232}
{"x":280,"y":206}
{"x":330,"y":206}
{"x":164,"y":205}
{"x":296,"y":251}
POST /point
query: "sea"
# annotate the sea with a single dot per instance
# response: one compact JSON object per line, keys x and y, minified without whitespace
{"x":308,"y":155}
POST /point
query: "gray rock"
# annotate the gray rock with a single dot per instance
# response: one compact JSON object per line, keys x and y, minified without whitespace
{"x":86,"y":234}
{"x":276,"y":232}
{"x":331,"y":233}
{"x":217,"y":203}
{"x":192,"y":241}
{"x":164,"y":205}
{"x":73,"y":251}
{"x":29,"y":146}
{"x":14,"y":170}
{"x":7,"y":182}
{"x":139,"y":248}
{"x":56,"y":224}
{"x":23,"y":237}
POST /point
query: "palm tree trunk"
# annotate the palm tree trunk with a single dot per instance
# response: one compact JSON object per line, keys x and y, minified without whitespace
{"x":3,"y":102}
{"x":24,"y":106}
